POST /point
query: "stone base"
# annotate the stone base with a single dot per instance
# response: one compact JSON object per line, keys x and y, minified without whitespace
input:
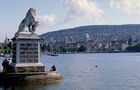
{"x":31,"y":67}
{"x":32,"y":77}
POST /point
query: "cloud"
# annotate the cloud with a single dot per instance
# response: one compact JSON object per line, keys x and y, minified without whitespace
{"x":130,"y":7}
{"x":47,"y":20}
{"x":75,"y":10}
{"x":83,"y":9}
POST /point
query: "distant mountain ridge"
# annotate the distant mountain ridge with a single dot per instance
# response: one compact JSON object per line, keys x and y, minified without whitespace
{"x":97,"y":33}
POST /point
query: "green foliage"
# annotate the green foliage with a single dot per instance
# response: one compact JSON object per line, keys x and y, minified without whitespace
{"x":1,"y":48}
{"x":113,"y":49}
{"x":5,"y":49}
{"x":67,"y":49}
{"x":82,"y":48}
{"x":45,"y":47}
{"x":63,"y":49}
{"x":56,"y":49}
{"x":135,"y":48}
{"x":72,"y":49}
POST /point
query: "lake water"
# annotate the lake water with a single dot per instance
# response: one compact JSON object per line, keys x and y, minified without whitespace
{"x":114,"y":71}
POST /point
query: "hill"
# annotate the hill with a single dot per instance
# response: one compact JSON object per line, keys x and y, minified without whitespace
{"x":97,"y":33}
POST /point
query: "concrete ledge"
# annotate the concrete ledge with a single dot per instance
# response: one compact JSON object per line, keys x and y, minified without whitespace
{"x":32,"y":77}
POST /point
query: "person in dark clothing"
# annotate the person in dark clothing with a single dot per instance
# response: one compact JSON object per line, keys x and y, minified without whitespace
{"x":5,"y":65}
{"x":53,"y":68}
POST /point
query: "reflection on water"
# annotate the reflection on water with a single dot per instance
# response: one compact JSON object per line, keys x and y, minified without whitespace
{"x":117,"y":71}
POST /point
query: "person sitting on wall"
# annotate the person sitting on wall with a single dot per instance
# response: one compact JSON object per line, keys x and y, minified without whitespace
{"x":9,"y":62}
{"x":53,"y":68}
{"x":10,"y":68}
{"x":5,"y":65}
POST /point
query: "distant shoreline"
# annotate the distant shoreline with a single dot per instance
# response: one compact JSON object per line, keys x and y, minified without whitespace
{"x":95,"y":52}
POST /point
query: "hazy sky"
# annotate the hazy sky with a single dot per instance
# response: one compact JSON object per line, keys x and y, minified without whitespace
{"x":60,"y":14}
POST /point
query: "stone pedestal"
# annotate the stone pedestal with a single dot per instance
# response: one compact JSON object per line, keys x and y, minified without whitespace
{"x":26,"y":53}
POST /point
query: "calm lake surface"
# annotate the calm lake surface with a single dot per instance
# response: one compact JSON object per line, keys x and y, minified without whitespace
{"x":114,"y":71}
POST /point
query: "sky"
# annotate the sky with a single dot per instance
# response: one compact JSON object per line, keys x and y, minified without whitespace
{"x":55,"y":15}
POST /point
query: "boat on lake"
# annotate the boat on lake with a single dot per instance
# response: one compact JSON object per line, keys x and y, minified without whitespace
{"x":1,"y":55}
{"x":52,"y":54}
{"x":49,"y":53}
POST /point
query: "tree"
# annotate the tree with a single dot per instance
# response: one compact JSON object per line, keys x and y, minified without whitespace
{"x":63,"y":49}
{"x":135,"y":48}
{"x":82,"y":48}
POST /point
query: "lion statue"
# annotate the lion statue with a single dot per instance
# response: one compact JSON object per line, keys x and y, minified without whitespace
{"x":29,"y":22}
